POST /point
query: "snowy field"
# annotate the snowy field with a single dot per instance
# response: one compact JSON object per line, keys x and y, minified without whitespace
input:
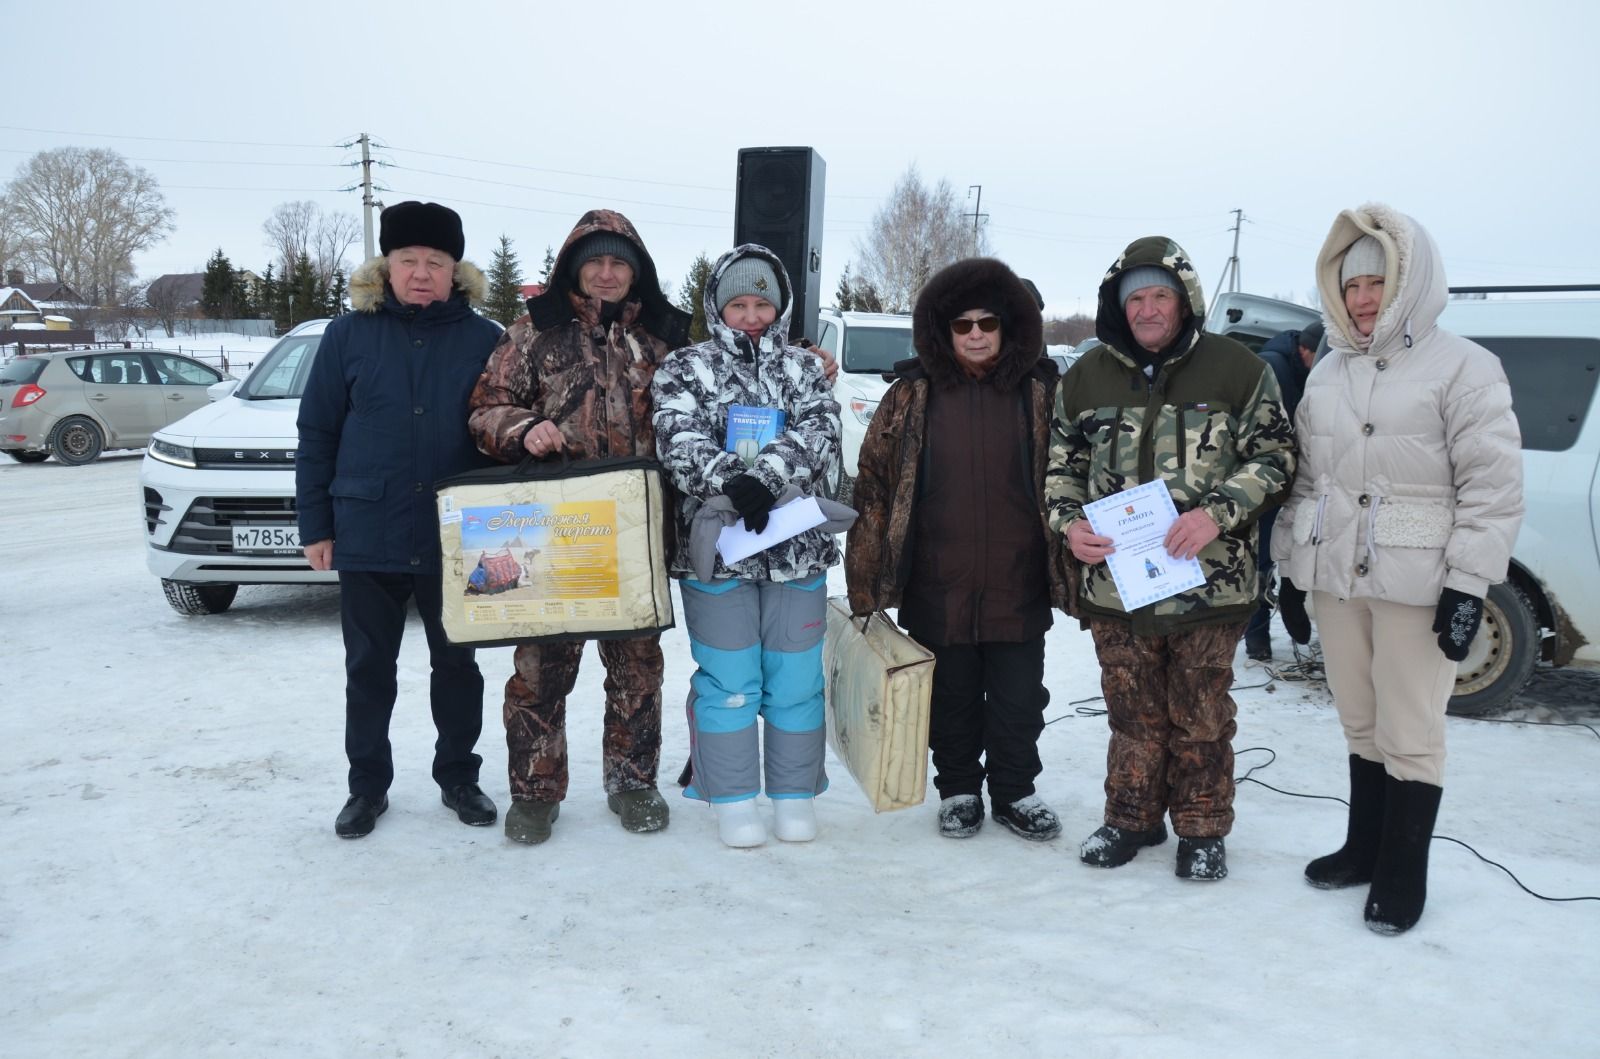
{"x":170,"y":884}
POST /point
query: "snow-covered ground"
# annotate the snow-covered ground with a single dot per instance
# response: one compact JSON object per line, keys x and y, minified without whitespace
{"x":170,"y":884}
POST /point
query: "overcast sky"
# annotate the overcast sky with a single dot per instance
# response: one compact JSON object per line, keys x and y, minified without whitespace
{"x":1086,"y":125}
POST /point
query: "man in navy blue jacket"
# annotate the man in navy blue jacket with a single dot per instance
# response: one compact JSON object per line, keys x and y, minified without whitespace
{"x":383,"y":417}
{"x":1290,"y":355}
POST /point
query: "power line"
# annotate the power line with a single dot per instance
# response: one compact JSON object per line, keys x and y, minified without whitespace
{"x":161,"y":139}
{"x":553,"y":191}
{"x":554,"y":213}
{"x":561,"y":172}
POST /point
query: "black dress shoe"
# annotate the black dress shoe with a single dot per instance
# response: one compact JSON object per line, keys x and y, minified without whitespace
{"x":1202,"y":858}
{"x":359,"y":815}
{"x":1112,"y":847}
{"x":472,"y":806}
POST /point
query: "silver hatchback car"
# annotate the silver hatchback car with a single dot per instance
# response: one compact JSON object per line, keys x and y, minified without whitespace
{"x":74,"y":404}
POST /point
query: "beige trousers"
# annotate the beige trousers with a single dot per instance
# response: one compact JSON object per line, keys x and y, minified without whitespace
{"x":1390,"y":682}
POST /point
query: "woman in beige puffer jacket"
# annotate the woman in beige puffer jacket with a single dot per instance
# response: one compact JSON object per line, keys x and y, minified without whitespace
{"x":1405,"y":507}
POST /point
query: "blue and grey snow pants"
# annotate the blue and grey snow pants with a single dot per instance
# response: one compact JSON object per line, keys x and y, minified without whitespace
{"x":759,"y":648}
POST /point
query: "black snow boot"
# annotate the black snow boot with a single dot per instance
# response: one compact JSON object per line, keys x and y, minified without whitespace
{"x":1352,"y":863}
{"x":1112,"y":847}
{"x":1400,"y":878}
{"x":1203,"y":859}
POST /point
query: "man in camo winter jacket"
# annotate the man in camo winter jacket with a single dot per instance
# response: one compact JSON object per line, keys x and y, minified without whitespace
{"x":573,"y":376}
{"x":1162,"y":400}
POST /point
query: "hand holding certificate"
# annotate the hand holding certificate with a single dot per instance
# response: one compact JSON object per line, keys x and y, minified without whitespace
{"x":1138,"y":520}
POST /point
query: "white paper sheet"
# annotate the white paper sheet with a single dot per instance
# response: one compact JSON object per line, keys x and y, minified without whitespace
{"x":1137,"y":521}
{"x":792,"y":519}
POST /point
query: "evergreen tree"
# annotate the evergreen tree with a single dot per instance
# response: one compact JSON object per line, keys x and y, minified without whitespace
{"x":865,"y":297}
{"x":217,"y":299}
{"x":267,"y":298}
{"x":338,"y":291}
{"x":844,"y":297}
{"x":298,"y":297}
{"x":549,"y":266}
{"x":504,"y":301}
{"x":244,"y":307}
{"x":692,"y":296}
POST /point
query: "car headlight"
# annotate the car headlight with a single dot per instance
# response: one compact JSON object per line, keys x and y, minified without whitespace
{"x":862,"y":409}
{"x":167,"y":452}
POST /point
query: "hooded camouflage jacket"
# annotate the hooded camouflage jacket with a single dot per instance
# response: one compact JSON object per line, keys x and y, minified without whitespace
{"x":579,"y":363}
{"x":693,"y":390}
{"x":1206,"y":418}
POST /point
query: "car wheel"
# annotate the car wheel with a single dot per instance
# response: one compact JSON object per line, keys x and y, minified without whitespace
{"x":192,"y":599}
{"x":30,"y":457}
{"x":836,"y":485}
{"x":77,"y":440}
{"x":1502,"y":655}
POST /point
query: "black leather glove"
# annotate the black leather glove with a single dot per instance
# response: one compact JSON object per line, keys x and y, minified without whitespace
{"x":751,"y":499}
{"x":1292,"y":608}
{"x":1456,"y":621}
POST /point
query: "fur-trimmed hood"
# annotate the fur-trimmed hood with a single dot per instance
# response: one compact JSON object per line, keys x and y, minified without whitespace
{"x":1414,"y":286}
{"x":777,"y":333}
{"x":977,"y":283}
{"x":1111,"y":322}
{"x":369,"y":284}
{"x":657,"y":315}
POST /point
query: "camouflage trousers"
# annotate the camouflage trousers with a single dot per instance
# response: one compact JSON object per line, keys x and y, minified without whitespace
{"x":536,"y":716}
{"x":1172,"y":726}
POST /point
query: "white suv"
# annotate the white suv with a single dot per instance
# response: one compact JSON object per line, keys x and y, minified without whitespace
{"x":219,"y":486}
{"x":1549,"y":605}
{"x":868,"y":345}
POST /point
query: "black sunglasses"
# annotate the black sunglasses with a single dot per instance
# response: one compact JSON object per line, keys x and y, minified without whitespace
{"x":988,"y":325}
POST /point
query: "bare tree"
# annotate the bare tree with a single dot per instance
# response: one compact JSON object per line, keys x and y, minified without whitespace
{"x":1068,"y":330}
{"x":80,"y":214}
{"x":917,"y":232}
{"x":336,"y":234}
{"x":163,"y":298}
{"x":290,"y":230}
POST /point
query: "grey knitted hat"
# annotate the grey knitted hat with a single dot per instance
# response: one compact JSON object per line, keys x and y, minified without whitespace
{"x":1145,"y":276}
{"x":601,"y":244}
{"x":1364,"y":258}
{"x":749,"y":275}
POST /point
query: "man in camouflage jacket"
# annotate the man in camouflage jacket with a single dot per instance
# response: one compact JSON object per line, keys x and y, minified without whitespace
{"x":1162,"y":400}
{"x":573,"y":376}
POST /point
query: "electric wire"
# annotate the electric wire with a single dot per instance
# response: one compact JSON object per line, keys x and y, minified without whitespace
{"x":1081,"y":710}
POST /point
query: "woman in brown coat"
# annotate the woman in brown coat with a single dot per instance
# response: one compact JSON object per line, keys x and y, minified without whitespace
{"x":953,"y":532}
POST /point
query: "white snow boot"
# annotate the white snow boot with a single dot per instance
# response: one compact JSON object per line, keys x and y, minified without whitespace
{"x":794,"y":819}
{"x":739,"y":824}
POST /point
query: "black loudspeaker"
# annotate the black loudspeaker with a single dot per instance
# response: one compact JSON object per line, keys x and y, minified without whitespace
{"x":779,"y":205}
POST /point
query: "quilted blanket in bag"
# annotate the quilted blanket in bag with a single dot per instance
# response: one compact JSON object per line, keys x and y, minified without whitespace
{"x":879,"y":684}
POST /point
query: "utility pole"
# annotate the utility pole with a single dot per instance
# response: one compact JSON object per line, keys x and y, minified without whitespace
{"x":1230,"y":271}
{"x":366,"y":197}
{"x":367,"y":201}
{"x":975,"y":215}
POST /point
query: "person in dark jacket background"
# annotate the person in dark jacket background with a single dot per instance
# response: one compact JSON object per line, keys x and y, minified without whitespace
{"x":1289,"y":354}
{"x":383,"y":417}
{"x":953,"y":531}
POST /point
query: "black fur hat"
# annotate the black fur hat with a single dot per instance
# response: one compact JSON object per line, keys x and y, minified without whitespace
{"x":416,"y":223}
{"x":978,"y":283}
